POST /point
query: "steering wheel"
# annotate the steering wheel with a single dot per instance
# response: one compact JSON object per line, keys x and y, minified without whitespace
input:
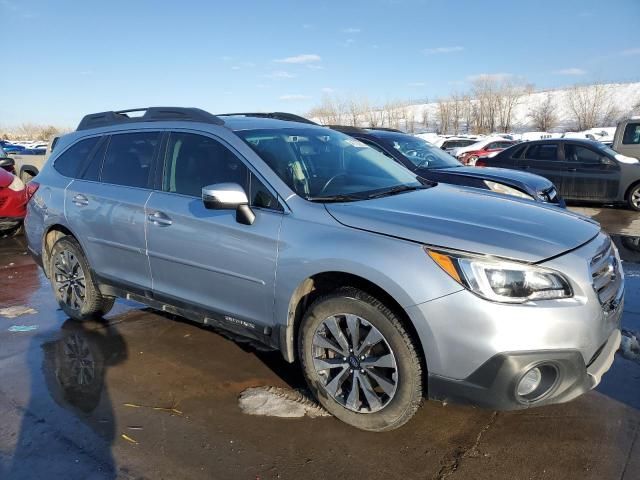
{"x":330,"y":181}
{"x":411,"y":153}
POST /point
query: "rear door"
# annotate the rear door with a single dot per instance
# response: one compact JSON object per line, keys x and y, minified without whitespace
{"x":590,"y":174}
{"x":544,"y":159}
{"x":204,"y":259}
{"x":105,"y":206}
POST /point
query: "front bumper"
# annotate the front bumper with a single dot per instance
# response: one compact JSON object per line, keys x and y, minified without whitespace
{"x":494,"y":384}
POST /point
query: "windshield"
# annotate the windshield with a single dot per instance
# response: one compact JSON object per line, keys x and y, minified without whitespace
{"x":321,"y":163}
{"x":606,"y":149}
{"x":421,"y":153}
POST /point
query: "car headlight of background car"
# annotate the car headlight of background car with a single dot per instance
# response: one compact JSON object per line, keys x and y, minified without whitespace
{"x":501,"y":188}
{"x":501,"y":280}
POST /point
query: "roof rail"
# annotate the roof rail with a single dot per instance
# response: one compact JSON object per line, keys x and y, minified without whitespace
{"x":287,"y":117}
{"x":385,"y":129}
{"x":151,"y":114}
{"x":346,"y":128}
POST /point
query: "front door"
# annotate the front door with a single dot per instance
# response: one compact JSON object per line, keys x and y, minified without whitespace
{"x":591,"y":174}
{"x":204,"y":259}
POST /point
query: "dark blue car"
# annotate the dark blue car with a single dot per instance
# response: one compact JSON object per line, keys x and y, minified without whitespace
{"x":430,"y":162}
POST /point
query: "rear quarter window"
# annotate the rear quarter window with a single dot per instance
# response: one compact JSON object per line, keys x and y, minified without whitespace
{"x":72,"y":159}
{"x":631,"y":134}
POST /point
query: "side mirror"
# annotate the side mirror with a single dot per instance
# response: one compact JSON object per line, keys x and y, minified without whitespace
{"x":606,"y":161}
{"x":7,"y":162}
{"x":228,"y":196}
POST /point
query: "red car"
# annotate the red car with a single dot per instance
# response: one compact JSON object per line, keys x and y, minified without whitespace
{"x":484,"y":148}
{"x":13,"y":201}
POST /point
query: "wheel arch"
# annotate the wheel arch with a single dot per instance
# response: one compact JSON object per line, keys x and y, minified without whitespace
{"x":52,"y":234}
{"x":32,"y":169}
{"x":325,"y":282}
{"x":629,"y":188}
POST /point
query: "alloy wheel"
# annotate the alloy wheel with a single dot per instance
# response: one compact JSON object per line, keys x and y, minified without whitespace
{"x":635,"y":198}
{"x":69,"y":279}
{"x":355,"y":363}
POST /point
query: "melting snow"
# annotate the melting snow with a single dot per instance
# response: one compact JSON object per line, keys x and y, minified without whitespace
{"x":279,"y":402}
{"x":16,"y":311}
{"x":630,"y":346}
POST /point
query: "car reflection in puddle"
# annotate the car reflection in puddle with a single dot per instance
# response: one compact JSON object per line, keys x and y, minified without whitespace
{"x":622,"y":382}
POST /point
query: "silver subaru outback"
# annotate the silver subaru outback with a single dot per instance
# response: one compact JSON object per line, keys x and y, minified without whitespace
{"x":385,"y":288}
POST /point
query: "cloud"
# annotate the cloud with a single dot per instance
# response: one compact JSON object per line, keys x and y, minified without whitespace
{"x":438,"y":50}
{"x":630,"y":51}
{"x":279,"y":74}
{"x":86,"y":72}
{"x":294,"y":97}
{"x":304,"y":58}
{"x":327,"y":90}
{"x":235,"y":67}
{"x":489,"y":76}
{"x":226,"y":58}
{"x":351,"y":30}
{"x":570,"y":71}
{"x":416,"y":84}
{"x":315,"y":67}
{"x":348,"y":41}
{"x":242,"y":65}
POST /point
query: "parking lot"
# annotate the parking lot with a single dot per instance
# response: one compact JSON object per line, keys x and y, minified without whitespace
{"x":162,"y":402}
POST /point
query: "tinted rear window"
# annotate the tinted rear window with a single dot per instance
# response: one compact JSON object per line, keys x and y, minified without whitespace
{"x":631,"y":134}
{"x":129,"y":159}
{"x":70,"y":162}
{"x":543,"y":151}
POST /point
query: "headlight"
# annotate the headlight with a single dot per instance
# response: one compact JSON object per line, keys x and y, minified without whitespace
{"x":16,"y":185}
{"x":500,"y":188}
{"x":501,"y":280}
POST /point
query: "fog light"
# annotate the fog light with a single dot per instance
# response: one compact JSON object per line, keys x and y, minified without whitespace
{"x":530,"y":382}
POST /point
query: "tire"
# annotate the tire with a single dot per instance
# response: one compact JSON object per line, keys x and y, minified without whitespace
{"x":633,"y":197}
{"x":80,"y":300}
{"x":12,"y":232}
{"x":400,"y":369}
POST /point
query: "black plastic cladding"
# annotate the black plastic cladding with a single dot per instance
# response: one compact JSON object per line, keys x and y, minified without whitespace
{"x":151,"y":114}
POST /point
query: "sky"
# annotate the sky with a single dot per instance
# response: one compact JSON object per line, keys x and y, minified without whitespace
{"x":64,"y":59}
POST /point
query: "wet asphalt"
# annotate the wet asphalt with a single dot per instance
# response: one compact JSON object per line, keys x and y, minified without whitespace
{"x":159,"y":400}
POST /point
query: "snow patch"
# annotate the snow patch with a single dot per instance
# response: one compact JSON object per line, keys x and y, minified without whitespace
{"x":16,"y":311}
{"x":630,"y":346}
{"x":279,"y":402}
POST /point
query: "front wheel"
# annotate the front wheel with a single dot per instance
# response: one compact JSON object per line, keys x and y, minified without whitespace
{"x":73,"y":285}
{"x":359,"y":361}
{"x":633,"y":198}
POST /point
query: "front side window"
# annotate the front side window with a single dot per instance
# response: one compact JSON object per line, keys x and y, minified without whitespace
{"x":195,"y":161}
{"x":320,"y":163}
{"x":70,"y":162}
{"x":631,"y":134}
{"x":543,"y":151}
{"x":129,"y":159}
{"x":577,"y":153}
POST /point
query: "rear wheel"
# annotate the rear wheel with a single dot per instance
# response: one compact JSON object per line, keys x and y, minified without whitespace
{"x":359,"y":361}
{"x":73,"y":285}
{"x":633,"y":198}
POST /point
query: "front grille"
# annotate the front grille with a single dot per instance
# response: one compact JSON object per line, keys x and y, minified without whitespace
{"x":605,"y":273}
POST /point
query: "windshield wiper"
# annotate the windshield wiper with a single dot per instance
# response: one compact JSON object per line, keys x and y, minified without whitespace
{"x":398,"y":189}
{"x":342,"y":197}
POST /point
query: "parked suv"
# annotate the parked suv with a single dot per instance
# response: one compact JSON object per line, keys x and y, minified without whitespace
{"x":582,"y":170}
{"x":626,"y":139}
{"x":382,"y":287}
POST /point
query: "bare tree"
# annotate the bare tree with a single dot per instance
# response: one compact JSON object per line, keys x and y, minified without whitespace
{"x":591,"y":106}
{"x":444,"y":116}
{"x":544,"y":115}
{"x":508,"y":95}
{"x":424,"y":117}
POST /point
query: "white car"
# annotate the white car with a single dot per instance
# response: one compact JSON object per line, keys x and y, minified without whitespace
{"x":479,"y":145}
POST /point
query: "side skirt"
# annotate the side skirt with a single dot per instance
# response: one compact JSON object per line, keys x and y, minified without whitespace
{"x":266,"y":335}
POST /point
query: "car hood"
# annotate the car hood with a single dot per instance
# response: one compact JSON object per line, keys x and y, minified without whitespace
{"x":467,"y":219}
{"x":503,"y":175}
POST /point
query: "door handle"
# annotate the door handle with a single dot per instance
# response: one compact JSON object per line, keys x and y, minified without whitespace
{"x":572,"y":169}
{"x":80,"y":200}
{"x":159,"y":219}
